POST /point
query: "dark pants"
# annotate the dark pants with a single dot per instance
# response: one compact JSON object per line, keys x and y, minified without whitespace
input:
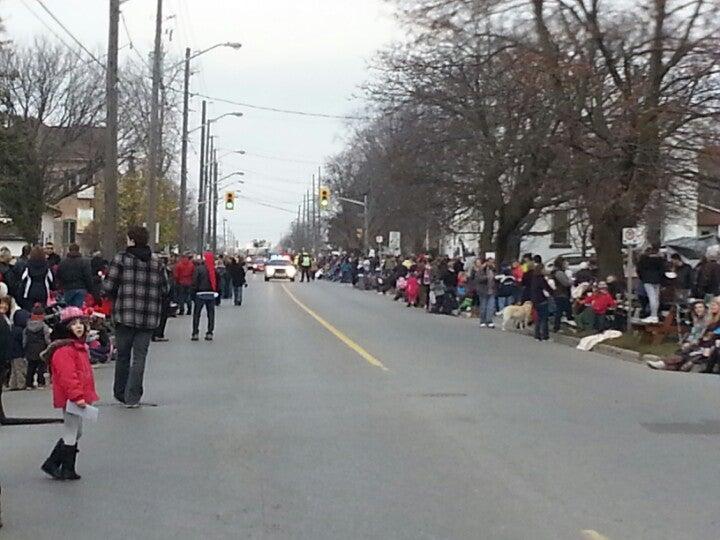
{"x":562,"y":307}
{"x":131,"y":342}
{"x":35,"y":366}
{"x":184,"y":299}
{"x":304,"y":274}
{"x":238,"y":292}
{"x":197,"y":310}
{"x":75,"y":297}
{"x":542,"y":325}
{"x":160,"y":330}
{"x":227,"y":286}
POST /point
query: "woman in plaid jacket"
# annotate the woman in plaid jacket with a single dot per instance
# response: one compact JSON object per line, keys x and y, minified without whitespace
{"x":137,"y":283}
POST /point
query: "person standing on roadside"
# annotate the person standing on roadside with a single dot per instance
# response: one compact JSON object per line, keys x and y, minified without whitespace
{"x":137,"y":283}
{"x":540,"y":292}
{"x":650,"y":269}
{"x":305,"y":261}
{"x":684,"y":278}
{"x":183,"y":273}
{"x":483,"y":277}
{"x":53,"y":258}
{"x":237,"y":275}
{"x":74,"y":277}
{"x":205,"y":287}
{"x":37,"y":280}
{"x":561,"y":294}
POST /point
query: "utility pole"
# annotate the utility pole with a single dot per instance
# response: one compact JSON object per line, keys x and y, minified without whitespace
{"x":208,"y":185}
{"x":215,"y":205}
{"x":109,"y":231}
{"x":308,"y":223}
{"x":183,"y":157}
{"x":154,"y":125}
{"x":314,"y":220}
{"x":366,"y":224}
{"x":304,"y":223}
{"x":224,"y":234}
{"x":201,"y":190}
{"x":319,"y":209}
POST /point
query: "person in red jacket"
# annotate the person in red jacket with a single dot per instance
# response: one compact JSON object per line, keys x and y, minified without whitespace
{"x":183,"y":274}
{"x":599,"y":302}
{"x":72,"y":380}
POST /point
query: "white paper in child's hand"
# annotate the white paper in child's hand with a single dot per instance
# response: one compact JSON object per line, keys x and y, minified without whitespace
{"x":89,"y":413}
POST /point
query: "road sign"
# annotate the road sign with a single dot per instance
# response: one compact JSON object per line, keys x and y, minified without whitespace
{"x":394,"y":241}
{"x":378,"y":239}
{"x":633,"y":236}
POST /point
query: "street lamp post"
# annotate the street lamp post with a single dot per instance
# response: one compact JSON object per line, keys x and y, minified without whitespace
{"x":185,"y":133}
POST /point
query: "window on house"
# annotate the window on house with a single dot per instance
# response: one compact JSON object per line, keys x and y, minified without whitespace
{"x":69,"y":231}
{"x":560,"y":228}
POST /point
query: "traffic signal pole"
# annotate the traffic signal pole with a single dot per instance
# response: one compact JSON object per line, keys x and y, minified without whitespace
{"x":366,"y":218}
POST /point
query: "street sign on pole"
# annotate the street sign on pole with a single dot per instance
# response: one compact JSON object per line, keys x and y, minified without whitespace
{"x":394,"y":242}
{"x":633,"y":236}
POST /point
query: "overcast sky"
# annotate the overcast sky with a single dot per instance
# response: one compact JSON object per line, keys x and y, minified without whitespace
{"x":307,"y":55}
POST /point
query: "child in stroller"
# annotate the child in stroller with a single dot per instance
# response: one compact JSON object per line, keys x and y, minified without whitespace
{"x":99,"y":339}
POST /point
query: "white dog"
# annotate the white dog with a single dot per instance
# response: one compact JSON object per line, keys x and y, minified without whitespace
{"x":520,"y":316}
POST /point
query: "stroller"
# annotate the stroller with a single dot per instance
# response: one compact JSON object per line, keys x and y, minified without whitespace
{"x":100,"y":340}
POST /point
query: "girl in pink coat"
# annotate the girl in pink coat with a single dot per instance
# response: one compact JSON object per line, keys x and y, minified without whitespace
{"x":72,"y":380}
{"x":412,"y":289}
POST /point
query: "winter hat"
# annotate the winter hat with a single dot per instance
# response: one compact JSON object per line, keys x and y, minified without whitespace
{"x":90,"y":313}
{"x":71,"y":313}
{"x":21,"y":318}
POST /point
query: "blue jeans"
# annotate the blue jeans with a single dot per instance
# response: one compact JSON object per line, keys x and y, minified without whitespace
{"x":487,"y":308}
{"x":184,"y":299}
{"x":75,"y":297}
{"x":503,"y":302}
{"x":209,"y":305}
{"x":238,"y":293}
{"x":542,"y":330}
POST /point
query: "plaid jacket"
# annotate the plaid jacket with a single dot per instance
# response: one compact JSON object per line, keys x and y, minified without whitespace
{"x":137,"y":289}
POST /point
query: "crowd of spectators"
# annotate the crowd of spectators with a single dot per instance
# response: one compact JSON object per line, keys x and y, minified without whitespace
{"x":663,"y":287}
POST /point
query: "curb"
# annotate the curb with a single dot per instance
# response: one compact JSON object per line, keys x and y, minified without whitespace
{"x":617,"y":352}
{"x":626,"y":355}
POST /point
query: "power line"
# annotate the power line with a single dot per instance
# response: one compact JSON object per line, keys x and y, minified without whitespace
{"x":283,"y":111}
{"x":132,"y":44}
{"x":277,"y":178}
{"x":53,"y":32}
{"x":69,"y":33}
{"x":293,"y":212}
{"x":277,"y":158}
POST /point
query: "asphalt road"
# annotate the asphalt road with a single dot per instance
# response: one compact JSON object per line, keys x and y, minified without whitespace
{"x":388,"y":424}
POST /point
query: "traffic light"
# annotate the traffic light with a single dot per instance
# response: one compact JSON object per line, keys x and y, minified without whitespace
{"x":324,"y":197}
{"x":229,"y":200}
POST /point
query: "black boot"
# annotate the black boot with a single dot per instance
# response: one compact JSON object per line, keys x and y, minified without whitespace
{"x":52,"y":464}
{"x":69,"y":454}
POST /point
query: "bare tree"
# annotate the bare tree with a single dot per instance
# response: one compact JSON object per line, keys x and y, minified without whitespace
{"x":53,"y":101}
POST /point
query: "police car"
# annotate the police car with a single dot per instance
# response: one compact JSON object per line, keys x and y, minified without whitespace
{"x":280,"y":268}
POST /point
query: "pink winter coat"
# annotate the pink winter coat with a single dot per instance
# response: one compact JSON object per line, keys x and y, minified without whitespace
{"x":412,"y":288}
{"x":72,"y":374}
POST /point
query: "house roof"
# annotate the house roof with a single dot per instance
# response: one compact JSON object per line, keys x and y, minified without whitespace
{"x":8,"y":232}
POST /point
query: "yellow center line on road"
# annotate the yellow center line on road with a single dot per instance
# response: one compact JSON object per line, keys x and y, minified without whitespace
{"x":369,"y":358}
